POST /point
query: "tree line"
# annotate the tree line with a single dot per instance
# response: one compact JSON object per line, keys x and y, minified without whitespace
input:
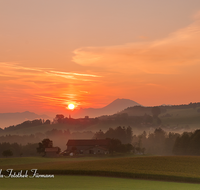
{"x":158,"y":142}
{"x":187,"y":144}
{"x":17,"y":150}
{"x":124,"y":134}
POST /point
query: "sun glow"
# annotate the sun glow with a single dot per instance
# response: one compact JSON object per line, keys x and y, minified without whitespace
{"x":71,"y":106}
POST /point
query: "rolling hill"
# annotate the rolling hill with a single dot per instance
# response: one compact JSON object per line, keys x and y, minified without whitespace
{"x":8,"y":119}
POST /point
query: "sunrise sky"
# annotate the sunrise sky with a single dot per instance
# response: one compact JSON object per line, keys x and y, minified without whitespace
{"x":91,"y":52}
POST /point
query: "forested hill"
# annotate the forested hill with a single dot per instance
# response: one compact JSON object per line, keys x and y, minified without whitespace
{"x":8,"y":119}
{"x":170,"y":118}
{"x":141,"y":110}
{"x":177,"y":118}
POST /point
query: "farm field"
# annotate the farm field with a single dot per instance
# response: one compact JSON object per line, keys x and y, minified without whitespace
{"x":91,"y":183}
{"x":174,"y":168}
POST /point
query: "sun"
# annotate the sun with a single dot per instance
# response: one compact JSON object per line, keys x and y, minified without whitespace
{"x":71,"y":106}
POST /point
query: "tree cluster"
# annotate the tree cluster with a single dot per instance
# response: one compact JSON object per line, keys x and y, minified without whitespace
{"x":61,"y":119}
{"x":15,"y":149}
{"x":116,"y":146}
{"x":157,"y":143}
{"x":187,"y":144}
{"x":124,"y":134}
{"x":46,"y":143}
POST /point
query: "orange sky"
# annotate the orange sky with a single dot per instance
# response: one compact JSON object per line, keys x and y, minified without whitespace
{"x":89,"y":54}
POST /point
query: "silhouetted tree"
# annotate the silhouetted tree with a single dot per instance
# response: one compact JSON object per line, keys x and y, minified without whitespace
{"x":110,"y":133}
{"x":99,"y":135}
{"x":115,"y":145}
{"x":182,"y":144}
{"x":169,"y":142}
{"x":120,"y":133}
{"x":7,"y":153}
{"x":59,"y":118}
{"x":46,"y":143}
{"x":188,"y":144}
{"x":129,"y":134}
{"x":47,"y":122}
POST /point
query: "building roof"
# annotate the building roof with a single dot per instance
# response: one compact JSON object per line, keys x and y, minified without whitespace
{"x":88,"y":142}
{"x":97,"y":147}
{"x":53,"y":149}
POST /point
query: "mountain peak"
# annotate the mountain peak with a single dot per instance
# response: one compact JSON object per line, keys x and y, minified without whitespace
{"x":114,"y":107}
{"x":120,"y":104}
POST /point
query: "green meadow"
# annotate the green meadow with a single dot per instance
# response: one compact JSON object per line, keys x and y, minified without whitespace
{"x":170,"y":168}
{"x":91,"y":183}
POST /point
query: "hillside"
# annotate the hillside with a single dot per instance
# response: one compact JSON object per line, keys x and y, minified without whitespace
{"x":8,"y":119}
{"x":177,"y":118}
{"x":173,"y":117}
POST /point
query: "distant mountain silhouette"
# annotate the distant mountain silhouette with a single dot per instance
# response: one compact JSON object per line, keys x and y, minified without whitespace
{"x":119,"y":105}
{"x":112,"y":108}
{"x":8,"y":119}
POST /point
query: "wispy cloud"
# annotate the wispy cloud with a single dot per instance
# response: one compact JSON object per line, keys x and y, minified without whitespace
{"x":166,"y":56}
{"x":42,"y":84}
{"x":17,"y":68}
{"x":76,"y":74}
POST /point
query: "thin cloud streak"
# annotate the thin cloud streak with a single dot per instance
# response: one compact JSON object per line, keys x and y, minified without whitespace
{"x":166,"y":56}
{"x":78,"y":74}
{"x":30,"y":83}
{"x":45,"y":70}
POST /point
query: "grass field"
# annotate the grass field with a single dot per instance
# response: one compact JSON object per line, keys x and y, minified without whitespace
{"x":92,"y":183}
{"x":174,"y":168}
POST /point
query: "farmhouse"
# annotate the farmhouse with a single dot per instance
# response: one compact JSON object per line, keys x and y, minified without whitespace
{"x":88,"y":146}
{"x":52,"y":152}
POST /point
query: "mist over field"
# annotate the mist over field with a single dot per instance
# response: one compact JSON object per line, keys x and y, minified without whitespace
{"x":150,"y":130}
